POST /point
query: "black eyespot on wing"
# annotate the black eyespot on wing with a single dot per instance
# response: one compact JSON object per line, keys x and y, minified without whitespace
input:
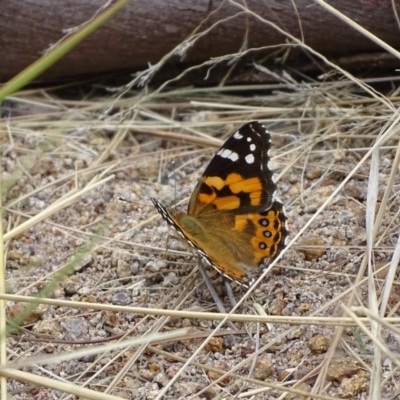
{"x":263,"y":222}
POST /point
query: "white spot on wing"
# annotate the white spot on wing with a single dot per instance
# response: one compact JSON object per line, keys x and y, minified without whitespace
{"x":249,"y":158}
{"x":237,"y":135}
{"x":252,"y":147}
{"x":229,"y":154}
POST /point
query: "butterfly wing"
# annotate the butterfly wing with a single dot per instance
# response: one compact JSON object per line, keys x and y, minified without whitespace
{"x":234,"y":219}
{"x":238,"y":178}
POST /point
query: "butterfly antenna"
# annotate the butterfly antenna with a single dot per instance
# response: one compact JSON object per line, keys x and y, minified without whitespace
{"x":133,"y":202}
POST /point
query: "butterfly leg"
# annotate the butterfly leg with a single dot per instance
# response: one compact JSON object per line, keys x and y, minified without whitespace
{"x":229,"y":292}
{"x":213,"y":293}
{"x":164,"y":256}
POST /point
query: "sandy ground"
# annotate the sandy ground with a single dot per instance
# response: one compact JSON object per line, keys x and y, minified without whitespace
{"x":127,"y":267}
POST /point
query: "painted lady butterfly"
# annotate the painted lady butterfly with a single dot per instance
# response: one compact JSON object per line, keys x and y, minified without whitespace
{"x":234,"y":220}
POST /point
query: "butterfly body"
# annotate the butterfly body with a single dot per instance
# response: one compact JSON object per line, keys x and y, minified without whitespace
{"x":234,"y":220}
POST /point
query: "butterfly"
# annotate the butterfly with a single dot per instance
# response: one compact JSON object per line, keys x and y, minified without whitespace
{"x":234,"y":219}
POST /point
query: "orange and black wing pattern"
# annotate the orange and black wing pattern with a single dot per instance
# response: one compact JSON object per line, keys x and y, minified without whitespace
{"x":238,"y":178}
{"x":234,"y":219}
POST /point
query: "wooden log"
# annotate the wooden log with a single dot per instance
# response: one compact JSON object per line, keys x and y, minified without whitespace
{"x":145,"y":31}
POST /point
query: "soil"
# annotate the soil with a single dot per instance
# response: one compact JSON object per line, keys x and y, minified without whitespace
{"x":127,"y":266}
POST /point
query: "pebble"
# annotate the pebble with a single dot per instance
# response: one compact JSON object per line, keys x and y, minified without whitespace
{"x":350,"y":387}
{"x":310,"y":209}
{"x":48,"y":327}
{"x":75,"y":328}
{"x":304,"y":307}
{"x":161,"y":379}
{"x":84,"y":263}
{"x":37,"y":260}
{"x":263,"y":370}
{"x":156,"y":265}
{"x":319,"y":344}
{"x":215,"y":344}
{"x":123,"y":270}
{"x":14,"y":255}
{"x":146,"y":374}
{"x":282,"y":375}
{"x":170,"y":279}
{"x":72,"y":285}
{"x":221,"y":365}
{"x":121,"y":299}
{"x":230,"y":341}
{"x":345,"y":216}
{"x":356,"y":190}
{"x":343,"y":367}
{"x":315,"y":253}
{"x":295,"y":333}
{"x":314,"y":173}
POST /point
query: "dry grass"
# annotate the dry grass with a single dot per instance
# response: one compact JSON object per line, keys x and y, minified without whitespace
{"x":70,"y":240}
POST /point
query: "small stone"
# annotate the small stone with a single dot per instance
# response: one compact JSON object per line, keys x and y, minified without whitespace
{"x":90,"y":298}
{"x":172,"y":370}
{"x":304,"y":307}
{"x":48,"y":327}
{"x":37,"y":313}
{"x":230,"y":341}
{"x":123,"y":270}
{"x":37,"y":260}
{"x":84,"y":263}
{"x":146,"y":374}
{"x":170,"y":279}
{"x":293,"y":178}
{"x":313,"y":253}
{"x":155,"y":368}
{"x":76,"y":328}
{"x":356,"y":190}
{"x":112,"y":319}
{"x":156,"y":265}
{"x":215,"y":344}
{"x":222,"y":365}
{"x":14,"y":255}
{"x":319,"y":344}
{"x":129,"y":382}
{"x":79,"y":164}
{"x":350,"y":387}
{"x":346,"y":216}
{"x":161,"y":379}
{"x":342,"y":368}
{"x":58,"y":292}
{"x":295,"y":333}
{"x":263,"y":370}
{"x":282,"y":375}
{"x":310,"y":209}
{"x":314,"y":173}
{"x":278,"y":304}
{"x":67,"y":162}
{"x":339,"y":155}
{"x":71,"y":285}
{"x":304,"y":387}
{"x":24,"y":260}
{"x":340,"y":255}
{"x":121,"y":299}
